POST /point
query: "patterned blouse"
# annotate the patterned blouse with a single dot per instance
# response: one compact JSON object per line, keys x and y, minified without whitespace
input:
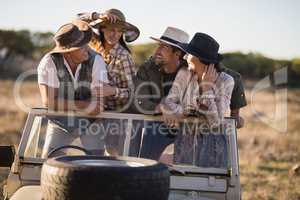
{"x":186,"y":95}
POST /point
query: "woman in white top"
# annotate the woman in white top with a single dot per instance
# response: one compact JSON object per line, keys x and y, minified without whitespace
{"x":204,"y":90}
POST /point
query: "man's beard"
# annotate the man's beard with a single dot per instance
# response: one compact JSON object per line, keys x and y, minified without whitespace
{"x":159,"y":62}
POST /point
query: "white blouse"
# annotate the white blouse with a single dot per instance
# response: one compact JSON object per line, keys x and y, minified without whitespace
{"x":186,"y":94}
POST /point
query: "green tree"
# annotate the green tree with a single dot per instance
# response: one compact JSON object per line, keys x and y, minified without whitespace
{"x":16,"y":42}
{"x":43,"y":42}
{"x":296,"y":65}
{"x":142,"y":52}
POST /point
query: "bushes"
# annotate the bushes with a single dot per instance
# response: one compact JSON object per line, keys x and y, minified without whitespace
{"x":31,"y":46}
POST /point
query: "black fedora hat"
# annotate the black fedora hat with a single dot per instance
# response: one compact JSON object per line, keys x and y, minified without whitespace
{"x":204,"y":47}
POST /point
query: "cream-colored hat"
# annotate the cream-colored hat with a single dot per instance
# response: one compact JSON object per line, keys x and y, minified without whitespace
{"x":173,"y":36}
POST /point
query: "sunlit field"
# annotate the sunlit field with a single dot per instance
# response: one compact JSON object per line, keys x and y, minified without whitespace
{"x":267,"y":155}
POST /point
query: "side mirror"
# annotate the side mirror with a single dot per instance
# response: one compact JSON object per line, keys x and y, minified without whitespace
{"x":7,"y":155}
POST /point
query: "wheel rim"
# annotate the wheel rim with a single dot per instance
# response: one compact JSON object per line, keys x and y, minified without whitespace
{"x":108,"y":163}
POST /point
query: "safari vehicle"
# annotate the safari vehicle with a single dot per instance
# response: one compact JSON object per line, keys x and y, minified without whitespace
{"x":183,"y":181}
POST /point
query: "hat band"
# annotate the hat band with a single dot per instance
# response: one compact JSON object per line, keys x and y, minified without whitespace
{"x":205,"y":54}
{"x":74,"y":43}
{"x":169,"y":39}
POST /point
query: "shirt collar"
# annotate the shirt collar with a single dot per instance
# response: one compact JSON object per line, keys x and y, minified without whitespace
{"x":76,"y":77}
{"x":111,"y":54}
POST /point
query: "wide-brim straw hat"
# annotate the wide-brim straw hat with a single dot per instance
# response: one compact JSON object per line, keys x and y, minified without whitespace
{"x":131,"y":32}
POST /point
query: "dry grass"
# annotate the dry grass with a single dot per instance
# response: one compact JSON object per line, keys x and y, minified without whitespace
{"x":266,"y":155}
{"x":12,"y":118}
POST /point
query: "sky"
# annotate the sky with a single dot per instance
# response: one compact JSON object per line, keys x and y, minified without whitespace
{"x":270,"y":27}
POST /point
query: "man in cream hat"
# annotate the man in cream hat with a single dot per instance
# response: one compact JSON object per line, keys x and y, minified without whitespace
{"x":154,"y":78}
{"x":153,"y":81}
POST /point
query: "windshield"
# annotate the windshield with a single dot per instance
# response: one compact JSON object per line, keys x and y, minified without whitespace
{"x":193,"y":143}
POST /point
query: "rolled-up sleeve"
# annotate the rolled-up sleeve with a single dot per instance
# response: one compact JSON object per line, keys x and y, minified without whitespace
{"x":47,"y":74}
{"x":99,"y":71}
{"x":86,"y":16}
{"x":173,"y":100}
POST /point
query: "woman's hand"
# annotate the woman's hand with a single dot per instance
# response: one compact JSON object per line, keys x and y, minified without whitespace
{"x":170,"y":118}
{"x":209,"y":77}
{"x":93,"y":107}
{"x":158,"y":109}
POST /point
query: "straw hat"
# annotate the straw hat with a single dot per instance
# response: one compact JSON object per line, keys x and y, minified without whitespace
{"x":131,"y":32}
{"x":72,"y":36}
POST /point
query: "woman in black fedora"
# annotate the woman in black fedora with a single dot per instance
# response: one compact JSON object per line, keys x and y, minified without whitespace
{"x":204,"y":90}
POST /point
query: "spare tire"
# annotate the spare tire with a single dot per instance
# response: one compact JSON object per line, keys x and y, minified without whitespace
{"x":104,"y":178}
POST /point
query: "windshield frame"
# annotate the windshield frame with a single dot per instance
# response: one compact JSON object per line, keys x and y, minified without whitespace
{"x":233,"y":167}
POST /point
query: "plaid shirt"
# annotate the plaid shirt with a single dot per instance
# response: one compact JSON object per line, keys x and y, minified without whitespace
{"x":120,"y":69}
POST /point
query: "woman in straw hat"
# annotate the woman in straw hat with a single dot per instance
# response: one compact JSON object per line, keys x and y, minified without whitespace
{"x":111,"y":32}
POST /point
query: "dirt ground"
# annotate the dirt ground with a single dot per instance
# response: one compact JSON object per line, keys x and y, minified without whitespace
{"x":267,"y":150}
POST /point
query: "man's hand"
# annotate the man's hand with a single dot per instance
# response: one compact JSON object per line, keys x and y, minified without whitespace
{"x":104,"y":90}
{"x":94,"y":108}
{"x":239,"y":120}
{"x":170,"y":118}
